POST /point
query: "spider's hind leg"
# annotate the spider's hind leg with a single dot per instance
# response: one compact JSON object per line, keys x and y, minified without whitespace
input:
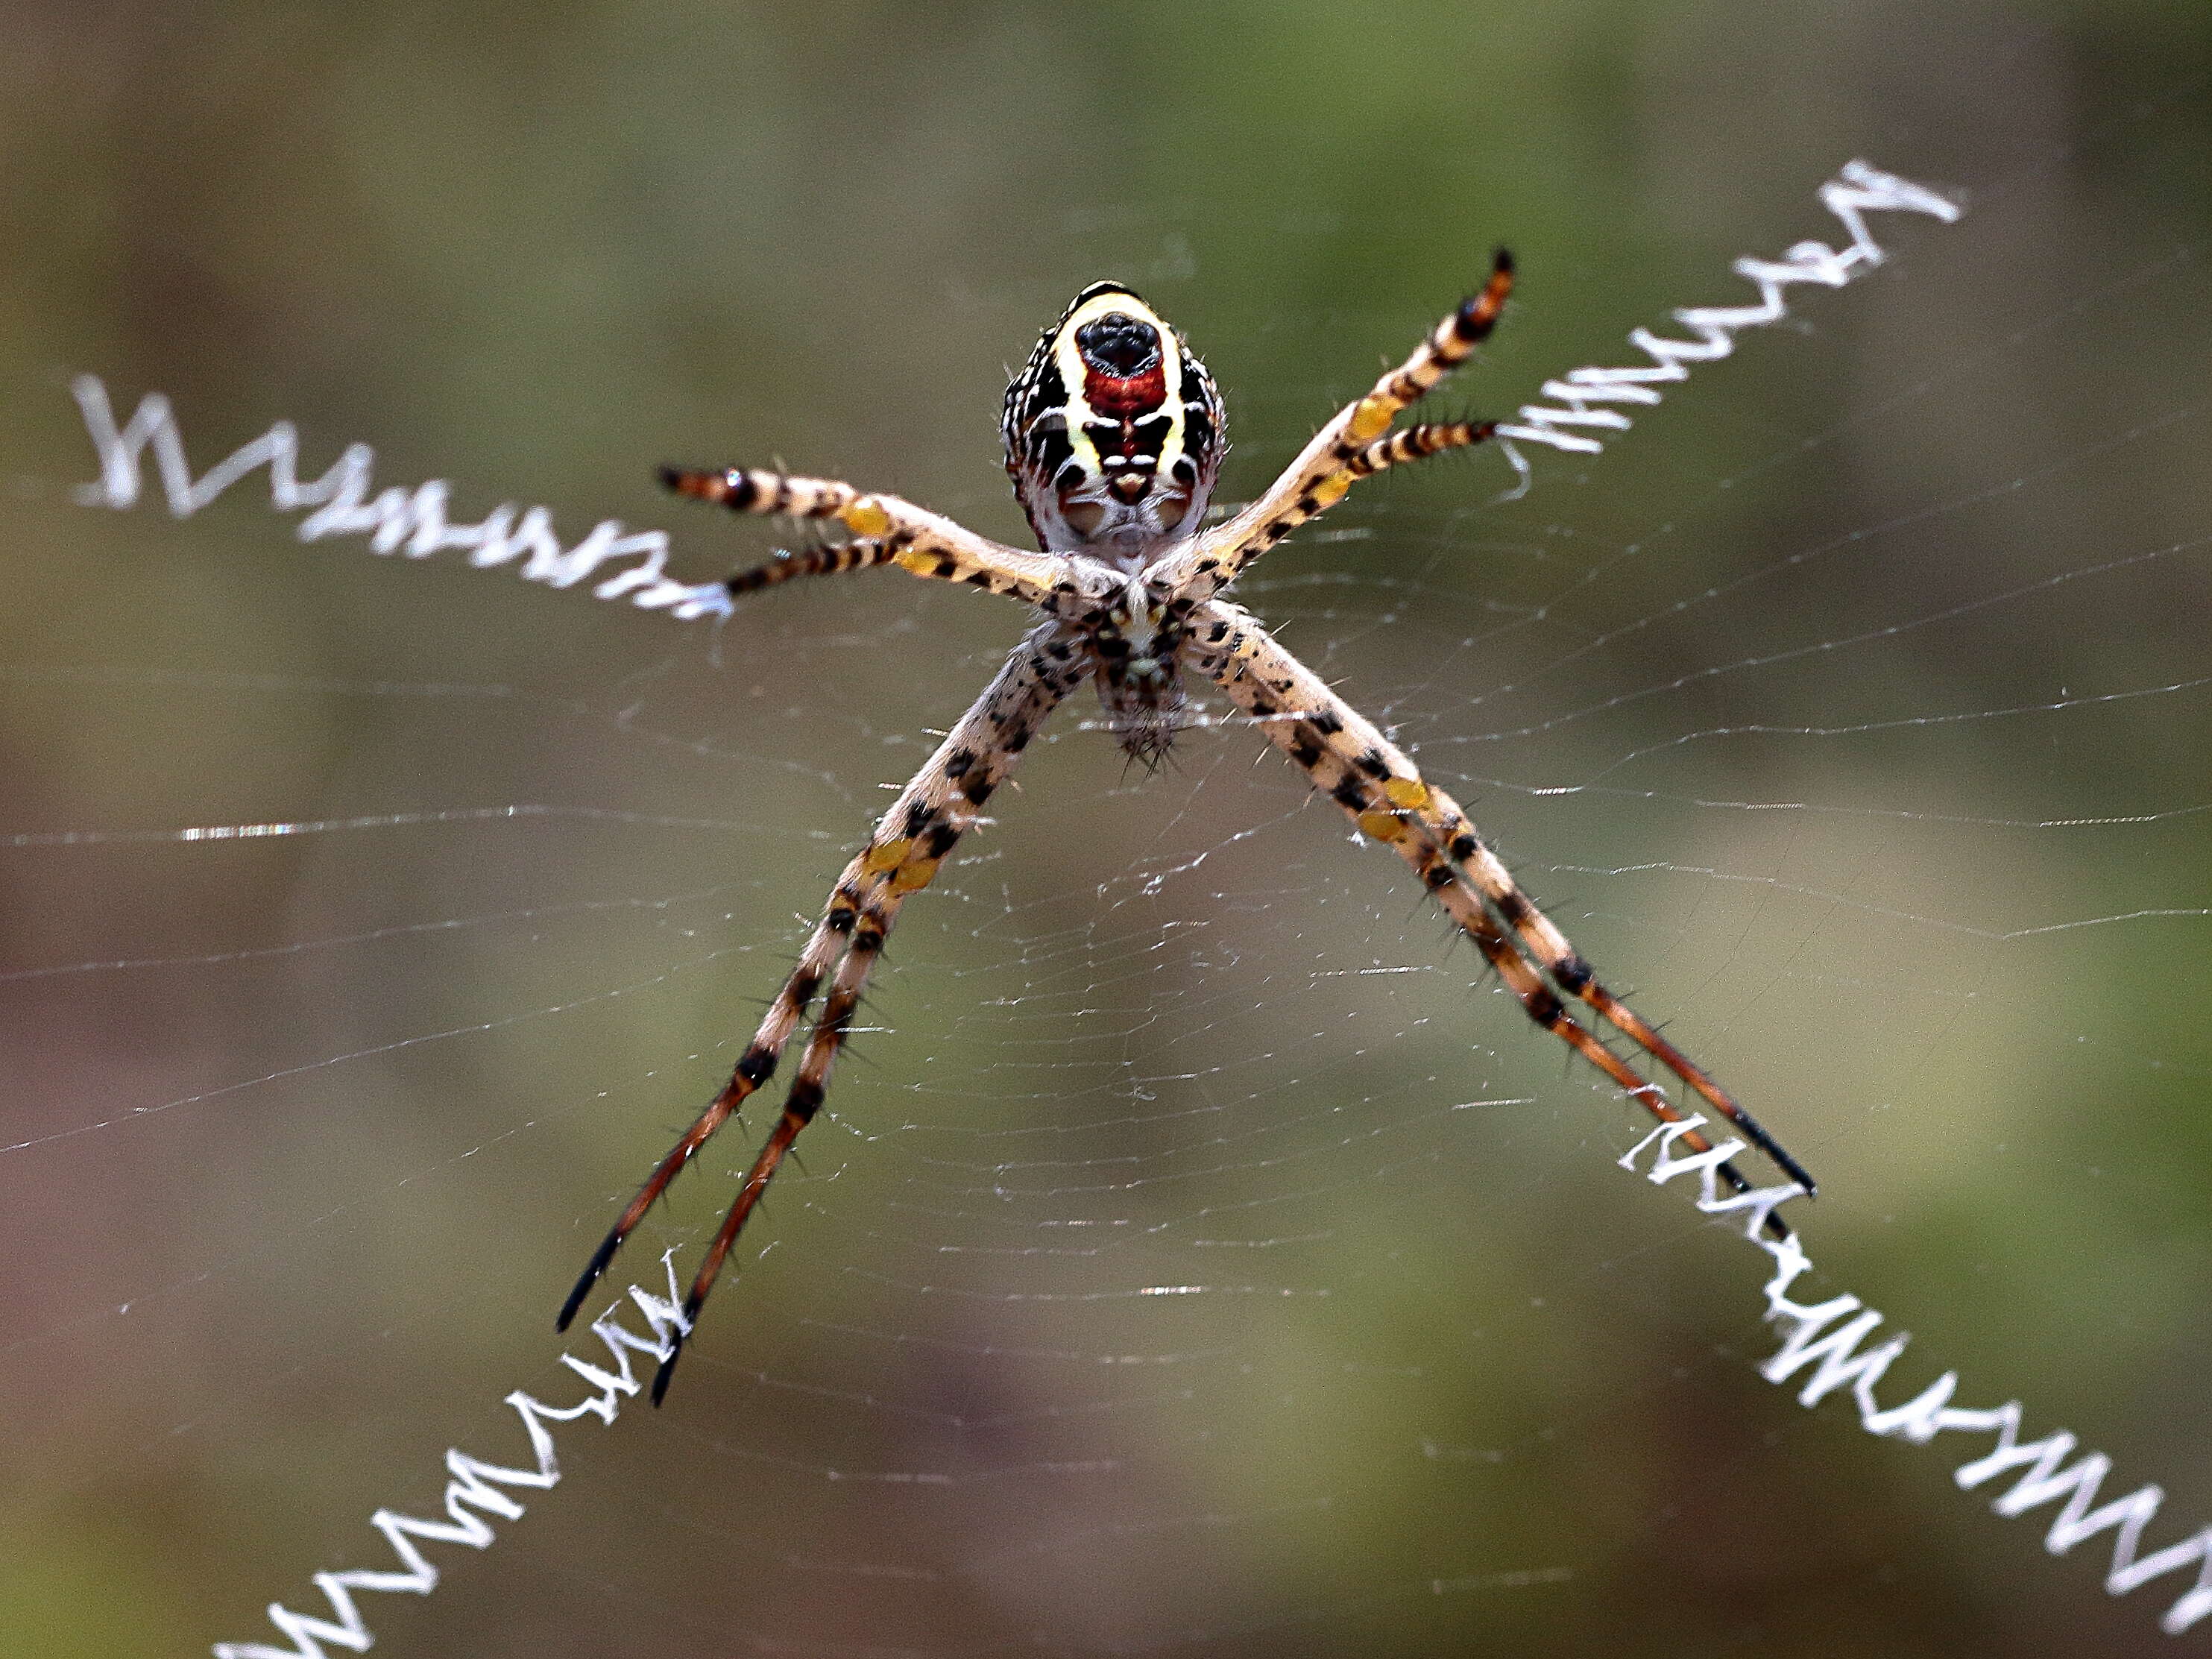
{"x":1417,"y":443}
{"x":890,"y":531}
{"x":819,"y":558}
{"x":1355,"y":443}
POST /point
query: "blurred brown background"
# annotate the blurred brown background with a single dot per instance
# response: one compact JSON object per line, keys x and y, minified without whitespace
{"x":1820,"y":709}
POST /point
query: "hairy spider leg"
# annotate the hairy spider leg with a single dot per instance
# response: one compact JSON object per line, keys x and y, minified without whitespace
{"x":829,"y":559}
{"x":944,"y":799}
{"x":753,"y":1068}
{"x":871,"y":924}
{"x":1417,"y":443}
{"x":916,"y":540}
{"x":1349,"y":760}
{"x":1344,"y":450}
{"x":1435,"y":815}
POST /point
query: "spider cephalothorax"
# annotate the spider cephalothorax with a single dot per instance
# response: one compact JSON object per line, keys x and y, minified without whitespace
{"x":1113,"y":430}
{"x":1113,"y":438}
{"x":1137,"y":641}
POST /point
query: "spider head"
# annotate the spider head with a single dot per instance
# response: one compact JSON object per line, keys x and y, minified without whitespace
{"x":1113,"y":430}
{"x":1137,"y":641}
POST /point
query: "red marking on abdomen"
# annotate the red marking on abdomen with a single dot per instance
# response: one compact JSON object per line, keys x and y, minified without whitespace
{"x":1126,"y":396}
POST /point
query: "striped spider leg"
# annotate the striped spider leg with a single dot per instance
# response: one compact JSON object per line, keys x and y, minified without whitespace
{"x":1355,"y":443}
{"x":1113,"y":438}
{"x":891,"y":532}
{"x":1352,"y":762}
{"x":944,"y":800}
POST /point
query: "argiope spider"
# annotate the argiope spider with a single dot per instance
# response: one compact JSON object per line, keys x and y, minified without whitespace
{"x":1113,"y":438}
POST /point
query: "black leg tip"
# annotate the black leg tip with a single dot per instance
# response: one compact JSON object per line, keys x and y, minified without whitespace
{"x":660,"y":1378}
{"x":588,"y":1278}
{"x":671,"y":478}
{"x":1502,"y":261}
{"x":569,"y":1309}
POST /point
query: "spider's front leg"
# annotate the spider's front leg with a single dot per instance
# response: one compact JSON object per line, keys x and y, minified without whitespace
{"x":1352,"y":446}
{"x":942,"y":802}
{"x":1384,"y":794}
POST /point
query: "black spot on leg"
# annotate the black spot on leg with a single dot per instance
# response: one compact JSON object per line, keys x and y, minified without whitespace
{"x":803,"y":988}
{"x":1327,"y":723}
{"x":977,"y":790}
{"x":1350,"y":796}
{"x":918,"y":817}
{"x":1438,"y":875}
{"x":958,"y":762}
{"x":841,"y":919}
{"x":1573,"y":974}
{"x":1513,"y":905}
{"x":867,"y":938}
{"x":755,"y":1065}
{"x":1305,"y":751}
{"x":806,"y":1099}
{"x":1544,"y":1008}
{"x":941,"y":840}
{"x":1373,"y":764}
{"x":1465,"y":847}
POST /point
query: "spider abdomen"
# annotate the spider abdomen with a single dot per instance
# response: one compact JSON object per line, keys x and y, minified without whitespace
{"x":1112,"y":429}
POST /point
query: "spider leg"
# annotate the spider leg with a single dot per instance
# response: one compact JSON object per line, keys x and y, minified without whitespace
{"x":829,"y":559}
{"x":892,"y":532}
{"x":1347,"y":449}
{"x":753,"y":1068}
{"x":944,"y":799}
{"x":1379,"y":787}
{"x":1417,"y":443}
{"x":871,"y":925}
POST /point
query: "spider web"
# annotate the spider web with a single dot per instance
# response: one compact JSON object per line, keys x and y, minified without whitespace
{"x":1197,"y":1253}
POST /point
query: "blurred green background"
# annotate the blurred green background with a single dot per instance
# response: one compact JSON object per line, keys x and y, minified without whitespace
{"x":1826,"y":710}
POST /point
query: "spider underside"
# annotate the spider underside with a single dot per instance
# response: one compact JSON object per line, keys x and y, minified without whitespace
{"x":1114,"y":440}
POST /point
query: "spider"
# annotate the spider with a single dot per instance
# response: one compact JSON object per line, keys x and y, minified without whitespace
{"x":1113,"y":439}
